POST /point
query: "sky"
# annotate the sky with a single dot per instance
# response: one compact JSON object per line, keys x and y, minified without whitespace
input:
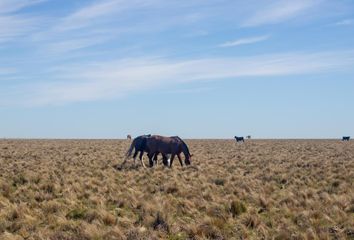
{"x":196,"y":68}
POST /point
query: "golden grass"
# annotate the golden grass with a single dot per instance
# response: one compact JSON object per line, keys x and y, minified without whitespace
{"x":63,"y":190}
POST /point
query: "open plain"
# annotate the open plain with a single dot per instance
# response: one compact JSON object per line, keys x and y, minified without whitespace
{"x":261,"y":189}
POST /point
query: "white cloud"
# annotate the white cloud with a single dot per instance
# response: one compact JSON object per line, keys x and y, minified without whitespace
{"x":9,"y":6}
{"x":244,"y":41}
{"x":279,"y":11}
{"x":73,"y":44}
{"x":13,"y":24}
{"x":345,"y":22}
{"x":99,"y":12}
{"x":112,"y":79}
{"x":106,"y":20}
{"x":126,"y":24}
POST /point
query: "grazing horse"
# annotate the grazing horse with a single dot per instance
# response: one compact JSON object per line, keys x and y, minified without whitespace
{"x":139,"y":144}
{"x":129,"y":137}
{"x":346,"y":138}
{"x":168,"y":145}
{"x":240,"y":139}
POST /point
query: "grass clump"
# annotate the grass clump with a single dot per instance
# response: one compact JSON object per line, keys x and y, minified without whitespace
{"x":160,"y":223}
{"x":19,"y":180}
{"x":219,"y":182}
{"x":237,"y":208}
{"x":177,"y":236}
{"x":77,"y":214}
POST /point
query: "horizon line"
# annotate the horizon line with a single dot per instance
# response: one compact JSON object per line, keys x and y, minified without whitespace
{"x":187,"y":138}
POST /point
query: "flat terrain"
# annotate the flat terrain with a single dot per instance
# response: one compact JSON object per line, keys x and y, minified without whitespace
{"x":280,"y":189}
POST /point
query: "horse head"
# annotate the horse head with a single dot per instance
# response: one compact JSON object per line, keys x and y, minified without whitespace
{"x":188,"y":159}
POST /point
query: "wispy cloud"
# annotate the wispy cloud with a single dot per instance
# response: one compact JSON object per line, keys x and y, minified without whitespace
{"x":345,"y":22}
{"x":112,"y":26}
{"x":73,"y":44}
{"x":244,"y":41}
{"x":14,"y":24}
{"x":9,"y":6}
{"x":106,"y":20}
{"x":279,"y":11}
{"x":98,"y":12}
{"x":112,"y":79}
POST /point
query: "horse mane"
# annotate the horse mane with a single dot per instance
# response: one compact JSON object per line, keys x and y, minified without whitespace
{"x":183,"y":143}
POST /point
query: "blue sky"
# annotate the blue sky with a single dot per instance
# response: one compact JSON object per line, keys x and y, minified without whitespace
{"x":197,"y":68}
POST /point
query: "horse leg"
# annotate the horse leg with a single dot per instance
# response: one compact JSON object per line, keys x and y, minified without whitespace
{"x":155,"y":158}
{"x":141,"y":157}
{"x":151,"y":162}
{"x":179,"y":159}
{"x":164,"y":160}
{"x":134,"y":156}
{"x":172,"y":157}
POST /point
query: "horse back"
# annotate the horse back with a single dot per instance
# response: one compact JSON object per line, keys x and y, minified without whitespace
{"x":167,"y":145}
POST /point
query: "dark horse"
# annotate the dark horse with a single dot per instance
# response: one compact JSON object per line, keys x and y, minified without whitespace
{"x":240,"y":139}
{"x":168,"y":145}
{"x":139,"y":144}
{"x":346,"y":138}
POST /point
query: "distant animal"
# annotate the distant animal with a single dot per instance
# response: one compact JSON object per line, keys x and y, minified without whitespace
{"x":139,"y":144}
{"x":347,"y":138}
{"x":129,"y":137}
{"x":168,"y":145}
{"x":248,"y":137}
{"x":239,"y":139}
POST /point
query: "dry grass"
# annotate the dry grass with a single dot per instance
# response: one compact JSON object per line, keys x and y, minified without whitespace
{"x":63,"y":190}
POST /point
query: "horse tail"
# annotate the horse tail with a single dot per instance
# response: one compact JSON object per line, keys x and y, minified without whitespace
{"x":128,"y":154}
{"x":130,"y":150}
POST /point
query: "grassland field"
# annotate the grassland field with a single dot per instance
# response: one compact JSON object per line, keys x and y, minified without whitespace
{"x":262,"y":189}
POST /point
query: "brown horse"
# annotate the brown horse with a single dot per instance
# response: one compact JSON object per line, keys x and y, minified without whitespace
{"x":168,"y":145}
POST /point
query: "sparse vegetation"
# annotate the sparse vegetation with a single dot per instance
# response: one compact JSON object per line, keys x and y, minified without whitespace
{"x":70,"y":189}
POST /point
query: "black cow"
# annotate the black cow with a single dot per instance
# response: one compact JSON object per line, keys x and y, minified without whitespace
{"x":239,"y":139}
